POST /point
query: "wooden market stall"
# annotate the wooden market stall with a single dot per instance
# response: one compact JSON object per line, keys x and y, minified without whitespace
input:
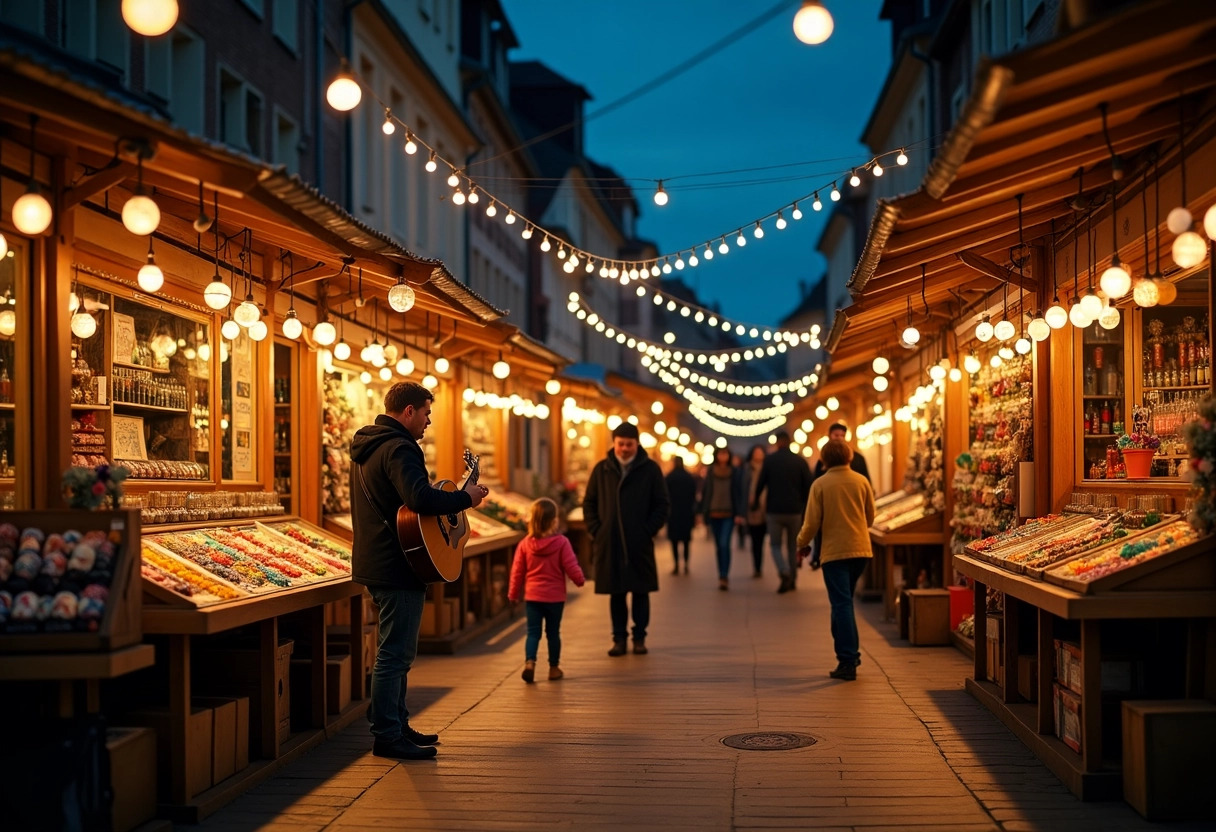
{"x":1105,"y":595}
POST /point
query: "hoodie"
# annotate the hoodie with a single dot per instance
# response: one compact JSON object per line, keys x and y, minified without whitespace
{"x":540,"y":568}
{"x":394,"y":473}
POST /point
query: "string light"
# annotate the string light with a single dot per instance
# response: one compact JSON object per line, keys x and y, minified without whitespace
{"x":660,"y":195}
{"x":149,"y":18}
{"x":388,"y":128}
{"x":431,"y":164}
{"x":835,"y":194}
{"x":813,"y":23}
{"x":411,"y":146}
{"x":344,"y":92}
{"x":902,"y":158}
{"x":817,"y":205}
{"x":854,"y":179}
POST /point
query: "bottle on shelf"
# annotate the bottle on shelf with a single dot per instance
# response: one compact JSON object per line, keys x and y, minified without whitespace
{"x":1116,"y":426}
{"x":1089,"y":419}
{"x":1105,"y":419}
{"x":6,"y":386}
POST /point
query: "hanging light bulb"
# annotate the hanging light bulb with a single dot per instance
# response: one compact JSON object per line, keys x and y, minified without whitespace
{"x":458,"y":198}
{"x":877,"y":169}
{"x":956,"y":374}
{"x":325,"y":333}
{"x":1005,"y":353}
{"x":230,"y":329}
{"x":995,"y":361}
{"x":1091,"y":304}
{"x":140,"y":214}
{"x":453,"y":179}
{"x":501,"y":369}
{"x":660,"y":195}
{"x":344,"y":92}
{"x":911,"y":335}
{"x":405,"y":366}
{"x":880,"y":365}
{"x":1004,"y":330}
{"x":527,"y":232}
{"x":1209,"y":223}
{"x":432,"y":163}
{"x":388,"y":128}
{"x":411,"y":146}
{"x":150,"y":277}
{"x":758,"y":232}
{"x":1039,"y":329}
{"x":149,"y":17}
{"x":292,"y":327}
{"x":740,"y":240}
{"x":492,"y":209}
{"x":1109,"y":319}
{"x":430,"y":382}
{"x":984,"y":330}
{"x":31,"y":212}
{"x":972,"y":363}
{"x":545,"y":244}
{"x":83,"y":324}
{"x":937,"y":372}
{"x":1057,"y":315}
{"x":1167,"y":291}
{"x":854,"y":179}
{"x":473,"y":197}
{"x":247,"y":314}
{"x":386,"y":374}
{"x":1022,"y":345}
{"x":1189,"y":249}
{"x":217,"y":293}
{"x":1115,"y":281}
{"x":723,"y":248}
{"x":813,"y":23}
{"x":835,"y":194}
{"x":8,"y":322}
{"x":1179,"y":220}
{"x":781,"y":223}
{"x":1077,"y":316}
{"x":902,"y":158}
{"x":881,"y":383}
{"x":442,"y":365}
{"x":401,"y":296}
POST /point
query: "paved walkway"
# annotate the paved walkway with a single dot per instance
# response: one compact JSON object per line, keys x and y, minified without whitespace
{"x":635,"y":741}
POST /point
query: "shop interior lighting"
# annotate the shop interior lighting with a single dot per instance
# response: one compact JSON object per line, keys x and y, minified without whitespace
{"x":140,"y":213}
{"x":325,"y":333}
{"x":259,"y":330}
{"x":150,"y":277}
{"x":401,"y":296}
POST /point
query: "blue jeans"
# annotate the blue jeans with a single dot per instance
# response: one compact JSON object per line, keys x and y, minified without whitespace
{"x":721,"y":528}
{"x":840,"y":578}
{"x":618,"y":608}
{"x":400,"y":620}
{"x":784,"y":526}
{"x":550,"y":614}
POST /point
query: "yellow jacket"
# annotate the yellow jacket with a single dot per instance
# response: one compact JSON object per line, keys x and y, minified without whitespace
{"x":845,"y":499}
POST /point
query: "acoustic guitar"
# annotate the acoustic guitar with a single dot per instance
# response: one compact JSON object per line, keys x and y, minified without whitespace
{"x":434,"y":546}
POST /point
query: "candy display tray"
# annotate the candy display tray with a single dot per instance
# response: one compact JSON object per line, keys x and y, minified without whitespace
{"x":1184,"y":565}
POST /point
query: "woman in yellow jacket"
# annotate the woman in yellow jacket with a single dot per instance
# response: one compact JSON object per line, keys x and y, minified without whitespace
{"x":847,"y":498}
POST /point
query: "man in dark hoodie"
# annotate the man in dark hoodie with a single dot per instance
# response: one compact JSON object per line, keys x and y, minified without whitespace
{"x":389,"y":471}
{"x":624,"y":506}
{"x":786,"y":478}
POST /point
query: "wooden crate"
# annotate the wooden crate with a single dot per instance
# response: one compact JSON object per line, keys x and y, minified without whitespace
{"x":1067,"y":716}
{"x":992,"y":646}
{"x":198,"y":744}
{"x":132,"y":776}
{"x":928,"y":616}
{"x":120,"y":624}
{"x":238,"y":672}
{"x":1028,"y":678}
{"x":1169,"y":758}
{"x":337,"y":683}
{"x":229,"y":735}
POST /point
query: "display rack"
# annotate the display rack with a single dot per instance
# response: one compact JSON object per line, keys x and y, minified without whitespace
{"x":909,"y":533}
{"x":1051,"y":689}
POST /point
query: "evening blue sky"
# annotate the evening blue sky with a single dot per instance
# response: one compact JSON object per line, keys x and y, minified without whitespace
{"x":767,"y":99}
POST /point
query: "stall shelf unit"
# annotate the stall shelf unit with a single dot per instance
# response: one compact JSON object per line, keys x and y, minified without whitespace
{"x":907,"y":531}
{"x":1164,"y":573}
{"x":209,"y":579}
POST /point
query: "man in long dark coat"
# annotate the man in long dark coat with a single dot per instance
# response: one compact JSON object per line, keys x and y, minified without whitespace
{"x":682,"y":489}
{"x":624,"y":506}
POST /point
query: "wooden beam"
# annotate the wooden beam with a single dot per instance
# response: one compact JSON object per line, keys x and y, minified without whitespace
{"x":99,"y":182}
{"x":941,"y":243}
{"x":985,"y":266}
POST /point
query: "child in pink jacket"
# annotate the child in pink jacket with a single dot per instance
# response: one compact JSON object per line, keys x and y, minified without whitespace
{"x":542,"y":562}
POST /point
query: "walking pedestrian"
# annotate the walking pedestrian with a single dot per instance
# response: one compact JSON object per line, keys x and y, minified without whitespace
{"x":786,"y":480}
{"x":682,"y":489}
{"x":737,"y":462}
{"x":543,"y":561}
{"x":838,"y":432}
{"x":847,"y":498}
{"x":753,"y":519}
{"x":720,"y":506}
{"x":388,"y":463}
{"x":624,"y":506}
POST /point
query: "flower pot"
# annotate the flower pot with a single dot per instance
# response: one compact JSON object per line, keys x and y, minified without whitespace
{"x":1139,"y":462}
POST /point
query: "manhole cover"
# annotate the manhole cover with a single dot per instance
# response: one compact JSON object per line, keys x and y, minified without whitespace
{"x":768,"y":741}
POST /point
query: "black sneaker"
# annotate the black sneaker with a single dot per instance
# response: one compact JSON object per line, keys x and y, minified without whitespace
{"x":844,"y":672}
{"x":417,"y":737}
{"x":403,"y":749}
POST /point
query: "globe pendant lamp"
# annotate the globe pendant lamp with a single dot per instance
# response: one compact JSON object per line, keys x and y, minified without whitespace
{"x":292,"y":327}
{"x":1145,"y":293}
{"x":1077,"y":316}
{"x":1039,"y":329}
{"x":230,"y":329}
{"x":247,"y":313}
{"x":140,"y":214}
{"x":149,"y":17}
{"x":1115,"y":281}
{"x":31,"y":212}
{"x":342,"y":350}
{"x":813,"y":23}
{"x":1091,"y":304}
{"x":1004,"y":330}
{"x":1056,"y":316}
{"x":325,"y":333}
{"x":259,"y":330}
{"x":344,"y":92}
{"x":984,"y":330}
{"x":1209,"y":223}
{"x":1167,"y":291}
{"x":401,"y":297}
{"x":501,"y":369}
{"x":1189,"y":249}
{"x":972,"y":363}
{"x":150,"y":277}
{"x":1110,"y":317}
{"x":83,"y":324}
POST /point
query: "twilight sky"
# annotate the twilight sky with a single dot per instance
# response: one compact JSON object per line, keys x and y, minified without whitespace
{"x":767,"y":99}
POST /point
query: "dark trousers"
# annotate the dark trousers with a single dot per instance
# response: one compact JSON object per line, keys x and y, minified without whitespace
{"x":675,"y":551}
{"x":548,"y":613}
{"x":720,"y":528}
{"x":757,"y":534}
{"x":400,"y":621}
{"x":840,"y":578}
{"x":618,"y":606}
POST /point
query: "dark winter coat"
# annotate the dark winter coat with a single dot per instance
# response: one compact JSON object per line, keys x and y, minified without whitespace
{"x":786,"y":478}
{"x":858,"y":464}
{"x":712,"y":483}
{"x":623,"y":514}
{"x":394,"y":472}
{"x":682,"y":490}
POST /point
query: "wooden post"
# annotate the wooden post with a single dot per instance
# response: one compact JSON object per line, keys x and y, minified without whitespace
{"x":307,"y":456}
{"x":268,"y":644}
{"x":981,"y":631}
{"x":179,"y":718}
{"x":1009,"y":651}
{"x":358,"y":671}
{"x":1091,"y":695}
{"x":316,"y":633}
{"x":1045,"y":656}
{"x":1042,"y":391}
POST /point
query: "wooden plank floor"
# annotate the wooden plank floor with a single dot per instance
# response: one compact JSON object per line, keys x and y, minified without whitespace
{"x":635,"y":741}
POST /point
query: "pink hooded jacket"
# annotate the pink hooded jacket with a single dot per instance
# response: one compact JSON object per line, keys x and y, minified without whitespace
{"x":539,"y":570}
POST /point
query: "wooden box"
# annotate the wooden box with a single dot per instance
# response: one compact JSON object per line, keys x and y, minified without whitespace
{"x":337,"y":683}
{"x":198,"y":744}
{"x":1068,"y":665}
{"x":229,"y":735}
{"x":121,"y":622}
{"x":338,"y":641}
{"x":992,"y":646}
{"x":1169,"y":758}
{"x":238,"y":672}
{"x":430,"y":620}
{"x":454,"y":622}
{"x":1067,"y":716}
{"x":132,"y":776}
{"x":928,"y":616}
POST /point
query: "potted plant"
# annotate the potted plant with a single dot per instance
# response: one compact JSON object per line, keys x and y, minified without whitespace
{"x":1138,"y":450}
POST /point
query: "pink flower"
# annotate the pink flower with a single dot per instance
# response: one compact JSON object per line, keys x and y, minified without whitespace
{"x":99,"y":488}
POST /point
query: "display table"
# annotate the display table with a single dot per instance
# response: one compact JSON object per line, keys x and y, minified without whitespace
{"x":907,"y":539}
{"x":1170,"y":582}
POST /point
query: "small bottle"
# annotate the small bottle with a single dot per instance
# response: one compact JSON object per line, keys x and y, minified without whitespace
{"x":1106,"y":418}
{"x":1089,"y":422}
{"x":6,"y":386}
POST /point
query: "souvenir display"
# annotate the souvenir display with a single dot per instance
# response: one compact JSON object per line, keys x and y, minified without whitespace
{"x":899,"y":512}
{"x":924,"y":469}
{"x":224,"y":563}
{"x":985,"y":497}
{"x":1125,"y":554}
{"x":482,"y":526}
{"x":57,"y":582}
{"x":157,"y":507}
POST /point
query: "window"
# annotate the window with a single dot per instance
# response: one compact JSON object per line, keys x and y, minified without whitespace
{"x":24,"y":14}
{"x":256,"y":6}
{"x":241,"y":111}
{"x":94,"y":30}
{"x":286,"y":141}
{"x":173,"y":71}
{"x":286,"y":22}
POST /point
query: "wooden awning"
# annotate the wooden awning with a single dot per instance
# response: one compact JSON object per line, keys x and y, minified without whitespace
{"x":1034,"y":120}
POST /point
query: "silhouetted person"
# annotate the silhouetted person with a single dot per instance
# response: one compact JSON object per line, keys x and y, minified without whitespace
{"x":682,"y":489}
